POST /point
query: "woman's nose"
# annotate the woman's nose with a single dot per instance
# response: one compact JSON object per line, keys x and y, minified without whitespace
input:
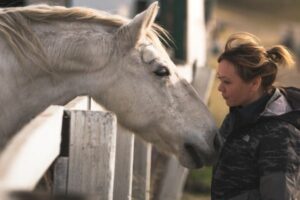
{"x":220,"y":87}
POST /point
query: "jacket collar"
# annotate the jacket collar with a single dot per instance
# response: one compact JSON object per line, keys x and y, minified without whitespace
{"x":292,"y":94}
{"x":243,"y":116}
{"x":277,"y":105}
{"x":274,"y":105}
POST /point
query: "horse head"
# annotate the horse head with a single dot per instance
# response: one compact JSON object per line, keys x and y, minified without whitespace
{"x":149,"y":97}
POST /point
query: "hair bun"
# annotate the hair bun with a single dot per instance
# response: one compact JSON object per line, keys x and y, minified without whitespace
{"x":281,"y":55}
{"x":273,"y":55}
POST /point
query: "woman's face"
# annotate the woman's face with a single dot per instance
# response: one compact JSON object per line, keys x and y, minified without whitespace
{"x":236,"y":91}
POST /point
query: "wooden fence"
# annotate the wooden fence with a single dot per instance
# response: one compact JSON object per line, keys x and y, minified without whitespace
{"x":80,"y":143}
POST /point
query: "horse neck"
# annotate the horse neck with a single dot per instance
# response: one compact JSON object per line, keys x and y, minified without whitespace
{"x":78,"y":46}
{"x":74,"y":70}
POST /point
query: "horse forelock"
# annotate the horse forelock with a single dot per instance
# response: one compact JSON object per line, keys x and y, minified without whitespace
{"x":15,"y":26}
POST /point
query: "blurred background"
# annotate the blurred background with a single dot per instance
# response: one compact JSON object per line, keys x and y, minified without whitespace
{"x":199,"y":30}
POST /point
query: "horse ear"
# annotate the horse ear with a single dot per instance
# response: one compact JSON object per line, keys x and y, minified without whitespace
{"x":137,"y":28}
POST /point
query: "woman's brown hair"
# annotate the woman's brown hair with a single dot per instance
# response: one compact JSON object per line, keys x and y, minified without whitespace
{"x":251,"y":59}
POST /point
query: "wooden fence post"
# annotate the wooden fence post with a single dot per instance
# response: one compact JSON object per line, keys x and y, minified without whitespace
{"x":124,"y":160}
{"x":173,"y":181}
{"x":61,"y":165}
{"x":92,"y":133}
{"x":125,"y":187}
{"x":132,"y":171}
{"x":124,"y":164}
{"x":141,"y":170}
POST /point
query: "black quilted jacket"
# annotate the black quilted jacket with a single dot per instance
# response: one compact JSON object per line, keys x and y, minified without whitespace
{"x":260,"y":155}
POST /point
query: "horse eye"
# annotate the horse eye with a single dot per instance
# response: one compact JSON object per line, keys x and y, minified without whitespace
{"x":162,"y":71}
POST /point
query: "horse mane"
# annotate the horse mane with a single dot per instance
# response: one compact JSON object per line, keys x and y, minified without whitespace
{"x":44,"y":13}
{"x":15,"y":26}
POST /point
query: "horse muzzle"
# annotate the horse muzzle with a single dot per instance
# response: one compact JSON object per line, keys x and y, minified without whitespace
{"x":196,"y":156}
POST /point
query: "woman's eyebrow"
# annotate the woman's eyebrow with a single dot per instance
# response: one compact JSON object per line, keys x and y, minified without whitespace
{"x":220,"y":76}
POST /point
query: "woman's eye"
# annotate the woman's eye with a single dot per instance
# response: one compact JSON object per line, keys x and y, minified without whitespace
{"x":162,"y":71}
{"x":226,"y":82}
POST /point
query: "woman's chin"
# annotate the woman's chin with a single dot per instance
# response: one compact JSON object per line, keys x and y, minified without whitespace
{"x":228,"y":103}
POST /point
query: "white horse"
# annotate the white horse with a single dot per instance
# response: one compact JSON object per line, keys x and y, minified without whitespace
{"x":50,"y":55}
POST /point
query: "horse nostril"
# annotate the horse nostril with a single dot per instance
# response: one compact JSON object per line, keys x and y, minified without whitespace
{"x":193,"y":152}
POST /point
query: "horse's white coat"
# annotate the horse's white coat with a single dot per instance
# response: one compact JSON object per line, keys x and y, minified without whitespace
{"x":115,"y":66}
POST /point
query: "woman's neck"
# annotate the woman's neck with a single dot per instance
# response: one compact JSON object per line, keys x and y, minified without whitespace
{"x":256,"y":96}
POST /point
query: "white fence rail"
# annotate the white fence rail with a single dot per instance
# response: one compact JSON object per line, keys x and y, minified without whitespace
{"x":31,"y":151}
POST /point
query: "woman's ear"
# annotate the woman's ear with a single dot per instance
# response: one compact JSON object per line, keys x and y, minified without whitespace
{"x":256,"y":83}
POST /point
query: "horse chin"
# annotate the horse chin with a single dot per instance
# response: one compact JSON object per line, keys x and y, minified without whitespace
{"x":194,"y":157}
{"x":191,"y":162}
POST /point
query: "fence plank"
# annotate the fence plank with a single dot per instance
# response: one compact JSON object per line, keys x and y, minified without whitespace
{"x":92,"y":133}
{"x":60,"y":173}
{"x":124,"y":160}
{"x":124,"y":164}
{"x":173,"y":180}
{"x":60,"y":176}
{"x":38,"y":141}
{"x":141,"y":170}
{"x":79,"y":103}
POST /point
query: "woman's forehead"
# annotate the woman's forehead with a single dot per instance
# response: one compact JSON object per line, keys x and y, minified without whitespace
{"x":226,"y":68}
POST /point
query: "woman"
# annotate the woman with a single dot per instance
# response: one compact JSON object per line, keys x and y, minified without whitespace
{"x":259,"y":157}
